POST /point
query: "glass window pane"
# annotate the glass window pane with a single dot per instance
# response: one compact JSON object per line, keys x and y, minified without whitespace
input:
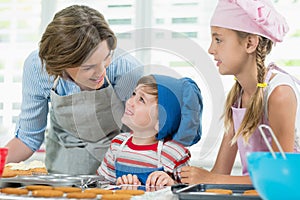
{"x":19,"y":35}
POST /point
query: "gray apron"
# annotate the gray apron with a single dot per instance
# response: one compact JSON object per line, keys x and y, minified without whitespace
{"x":81,"y":128}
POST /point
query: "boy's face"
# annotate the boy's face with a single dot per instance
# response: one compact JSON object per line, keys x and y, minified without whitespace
{"x":141,"y":112}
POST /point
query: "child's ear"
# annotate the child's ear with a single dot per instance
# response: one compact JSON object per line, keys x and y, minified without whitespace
{"x":156,"y":127}
{"x":252,"y":43}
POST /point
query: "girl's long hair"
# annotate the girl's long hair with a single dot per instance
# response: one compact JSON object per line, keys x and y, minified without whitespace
{"x":254,"y":111}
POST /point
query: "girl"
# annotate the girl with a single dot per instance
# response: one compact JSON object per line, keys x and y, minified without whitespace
{"x":154,"y":151}
{"x":243,"y":33}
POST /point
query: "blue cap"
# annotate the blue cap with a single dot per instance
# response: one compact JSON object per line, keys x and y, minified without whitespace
{"x":179,"y":109}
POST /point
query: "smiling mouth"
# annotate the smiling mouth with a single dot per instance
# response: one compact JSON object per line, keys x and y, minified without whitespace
{"x":128,"y":112}
{"x":98,"y":80}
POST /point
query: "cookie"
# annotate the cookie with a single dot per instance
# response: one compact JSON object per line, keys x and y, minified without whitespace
{"x":219,"y":191}
{"x":16,"y":191}
{"x":22,"y":168}
{"x":47,"y":193}
{"x":250,"y":193}
{"x":8,"y":173}
{"x":81,"y":195}
{"x":23,"y":172}
{"x":40,"y":170}
{"x":116,"y":197}
{"x":98,"y":191}
{"x":38,"y":187}
{"x":66,"y":189}
{"x":131,"y":192}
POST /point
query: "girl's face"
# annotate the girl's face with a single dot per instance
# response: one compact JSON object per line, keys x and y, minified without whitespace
{"x":141,"y":112}
{"x":90,"y":75}
{"x":228,"y":50}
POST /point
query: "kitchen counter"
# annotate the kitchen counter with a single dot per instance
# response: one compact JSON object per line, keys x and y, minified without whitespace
{"x":165,"y":194}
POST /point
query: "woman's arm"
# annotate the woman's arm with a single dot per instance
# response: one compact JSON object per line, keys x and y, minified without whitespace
{"x":32,"y":122}
{"x":20,"y":151}
{"x":282,"y":108}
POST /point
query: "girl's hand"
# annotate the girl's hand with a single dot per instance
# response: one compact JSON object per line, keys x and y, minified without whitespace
{"x":159,"y":178}
{"x":128,"y":179}
{"x":195,"y":175}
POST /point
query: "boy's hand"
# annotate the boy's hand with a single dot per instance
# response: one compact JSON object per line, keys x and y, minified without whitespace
{"x":128,"y":179}
{"x":159,"y":178}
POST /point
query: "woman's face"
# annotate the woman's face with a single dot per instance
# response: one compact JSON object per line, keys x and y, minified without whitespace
{"x":228,"y":50}
{"x":141,"y":111}
{"x":90,"y":75}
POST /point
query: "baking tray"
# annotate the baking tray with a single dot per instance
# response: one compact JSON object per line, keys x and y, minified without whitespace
{"x":83,"y":181}
{"x":154,"y":191}
{"x":198,"y":192}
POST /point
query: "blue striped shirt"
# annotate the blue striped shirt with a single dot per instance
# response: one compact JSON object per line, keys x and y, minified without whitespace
{"x":123,"y":73}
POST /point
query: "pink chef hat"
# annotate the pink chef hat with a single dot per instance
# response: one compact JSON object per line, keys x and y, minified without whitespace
{"x":251,"y":16}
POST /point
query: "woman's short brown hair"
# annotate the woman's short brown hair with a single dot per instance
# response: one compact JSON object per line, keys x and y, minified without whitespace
{"x":72,"y":36}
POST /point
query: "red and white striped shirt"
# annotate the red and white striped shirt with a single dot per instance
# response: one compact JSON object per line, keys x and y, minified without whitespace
{"x":173,"y":156}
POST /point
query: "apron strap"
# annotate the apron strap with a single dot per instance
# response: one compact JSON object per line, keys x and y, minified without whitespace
{"x":159,"y":150}
{"x":273,"y":66}
{"x":108,"y":81}
{"x":122,"y":146}
{"x":269,"y":74}
{"x":55,"y":83}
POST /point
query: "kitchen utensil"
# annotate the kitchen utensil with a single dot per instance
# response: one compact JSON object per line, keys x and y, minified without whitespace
{"x":275,"y":175}
{"x":3,"y":156}
{"x":197,"y":192}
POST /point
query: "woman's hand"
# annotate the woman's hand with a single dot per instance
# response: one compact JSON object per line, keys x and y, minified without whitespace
{"x":128,"y":179}
{"x":195,"y":175}
{"x":159,"y":178}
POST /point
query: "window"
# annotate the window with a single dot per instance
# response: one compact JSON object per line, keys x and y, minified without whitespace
{"x":185,"y":20}
{"x":19,"y":35}
{"x":184,"y":34}
{"x":119,"y":21}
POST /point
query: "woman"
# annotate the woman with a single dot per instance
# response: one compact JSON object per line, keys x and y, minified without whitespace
{"x":74,"y":69}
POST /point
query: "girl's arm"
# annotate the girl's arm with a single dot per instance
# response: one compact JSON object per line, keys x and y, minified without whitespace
{"x":197,"y":175}
{"x":221,"y":171}
{"x":282,"y":108}
{"x":226,"y":156}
